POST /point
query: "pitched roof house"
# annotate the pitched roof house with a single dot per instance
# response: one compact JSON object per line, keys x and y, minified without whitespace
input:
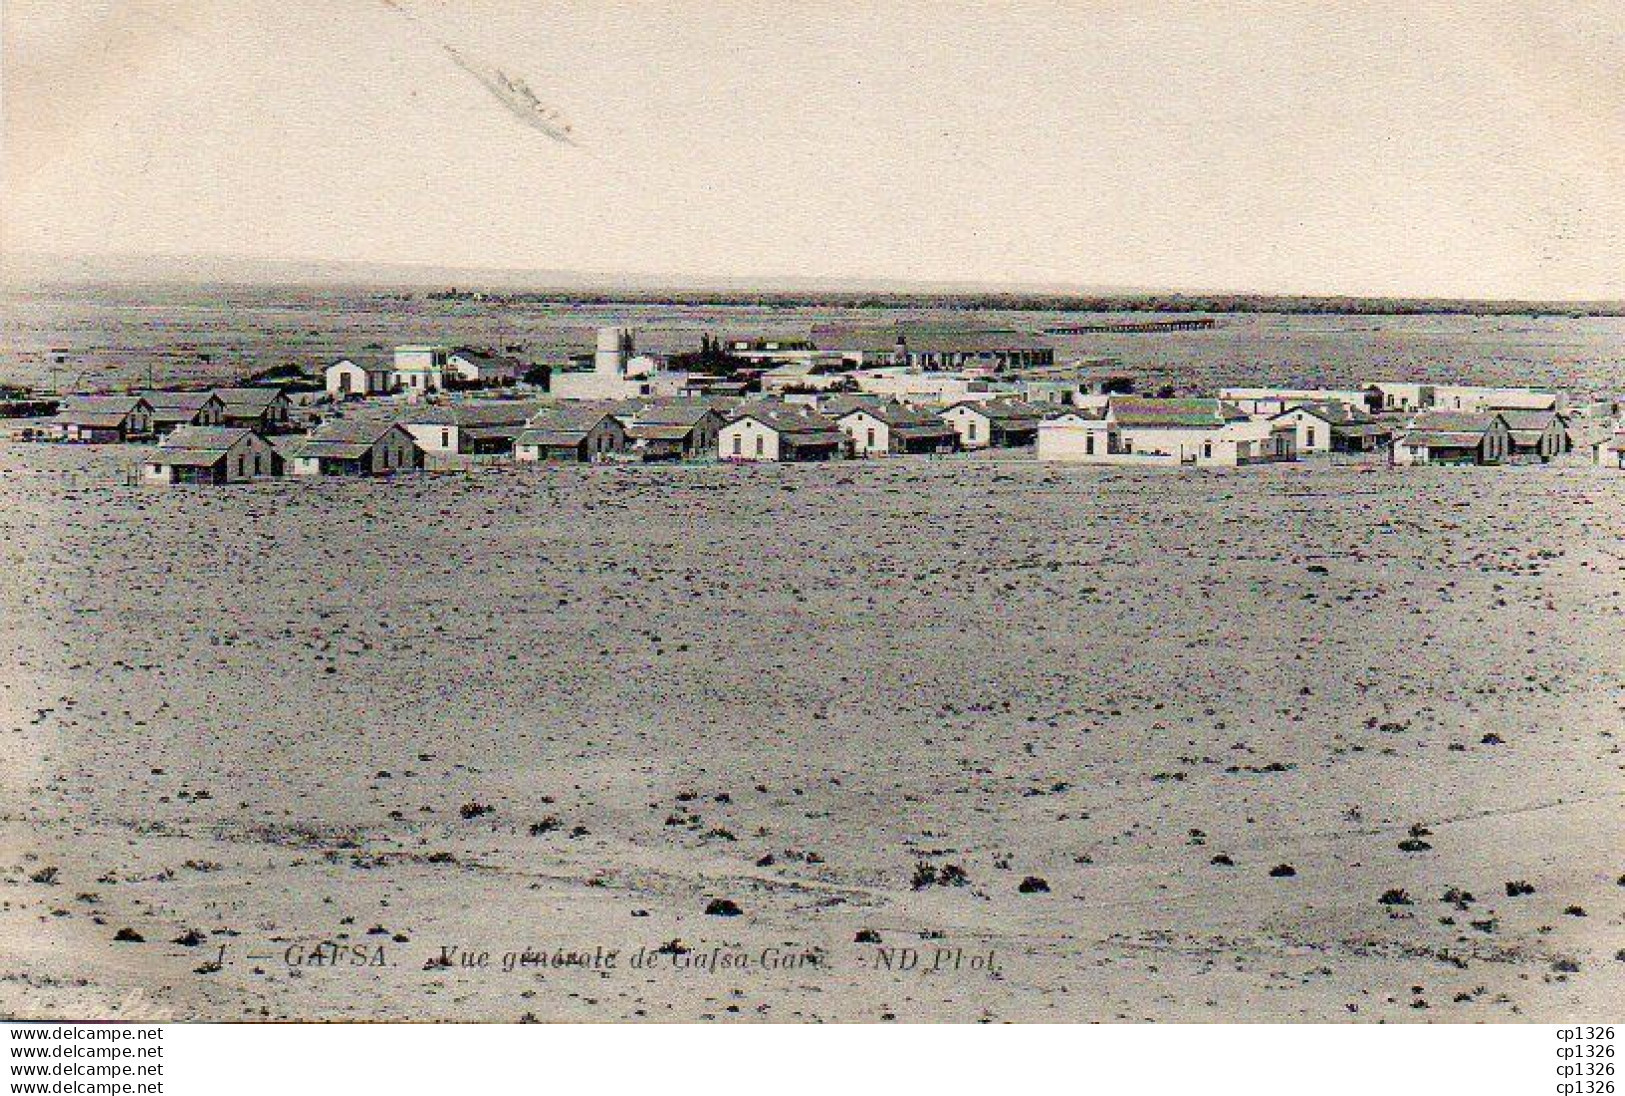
{"x":341,"y":447}
{"x":884,"y":426}
{"x":260,"y":408}
{"x":358,"y":375}
{"x":570,"y":433}
{"x":487,"y":368}
{"x":1332,"y":426}
{"x":1610,"y":452}
{"x":670,"y":429}
{"x":1453,"y":437}
{"x":468,"y":426}
{"x":102,"y":419}
{"x":212,"y":455}
{"x":770,"y":431}
{"x":1141,"y":431}
{"x":171,"y":410}
{"x":996,"y":422}
{"x":1537,"y":435}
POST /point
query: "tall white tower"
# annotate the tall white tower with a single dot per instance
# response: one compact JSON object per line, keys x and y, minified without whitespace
{"x":614,"y":350}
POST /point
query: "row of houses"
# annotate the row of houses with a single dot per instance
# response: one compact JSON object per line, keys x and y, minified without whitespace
{"x":142,"y":416}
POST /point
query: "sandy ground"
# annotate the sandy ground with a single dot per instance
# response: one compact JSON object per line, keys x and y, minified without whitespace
{"x":569,"y":708}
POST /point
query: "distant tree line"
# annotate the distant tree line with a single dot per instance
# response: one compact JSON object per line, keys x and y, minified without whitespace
{"x":1039,"y":302}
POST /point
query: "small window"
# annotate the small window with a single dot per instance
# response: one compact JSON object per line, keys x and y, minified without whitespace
{"x":758,"y":445}
{"x":737,"y":440}
{"x":970,"y":431}
{"x":445,"y":439}
{"x":1089,"y":445}
{"x":871,"y":438}
{"x":1309,"y":437}
{"x":1207,"y":450}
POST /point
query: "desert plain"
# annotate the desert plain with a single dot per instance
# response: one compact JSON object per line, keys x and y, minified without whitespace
{"x":962,"y":739}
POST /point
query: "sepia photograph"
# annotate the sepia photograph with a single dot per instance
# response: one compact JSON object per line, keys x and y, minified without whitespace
{"x":858,"y":512}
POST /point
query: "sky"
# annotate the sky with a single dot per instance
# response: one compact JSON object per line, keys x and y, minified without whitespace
{"x":1419,"y":149}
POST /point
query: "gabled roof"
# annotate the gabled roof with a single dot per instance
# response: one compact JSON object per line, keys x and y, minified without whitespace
{"x":371,"y":363}
{"x":102,"y":411}
{"x":658,"y":431}
{"x":1454,"y":422}
{"x":899,"y":416}
{"x":1524,"y":419}
{"x":563,"y":425}
{"x":785,"y":418}
{"x":1008,"y":413}
{"x":468,"y":413}
{"x":1334,"y":413}
{"x":1190,"y":413}
{"x":170,"y":404}
{"x":248,"y":401}
{"x":199,"y":446}
{"x":685,"y":413}
{"x":490,"y":359}
{"x":345,"y":439}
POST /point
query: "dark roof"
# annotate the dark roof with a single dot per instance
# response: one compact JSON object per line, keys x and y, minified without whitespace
{"x":248,"y":401}
{"x":1538,"y":421}
{"x":900,"y":417}
{"x":108,"y":411}
{"x":1332,"y":412}
{"x":562,"y":425}
{"x":1448,"y":429}
{"x":490,"y":359}
{"x":1455,"y":422}
{"x":199,"y":446}
{"x":786,"y":418}
{"x":685,"y":413}
{"x":1008,"y":413}
{"x":172,"y":404}
{"x":472,"y":413}
{"x":342,"y":438}
{"x":658,"y":431}
{"x":1198,"y":413}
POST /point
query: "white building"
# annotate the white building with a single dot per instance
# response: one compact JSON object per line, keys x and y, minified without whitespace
{"x":1478,"y":399}
{"x":357,"y":376}
{"x":1610,"y":452}
{"x":1311,"y":424}
{"x":1140,"y":431}
{"x":881,"y":427}
{"x":211,"y":455}
{"x":773,"y":431}
{"x":1393,"y":396}
{"x":911,"y":386}
{"x":1272,"y":401}
{"x":484,"y":368}
{"x":1000,"y":423}
{"x":468,"y":426}
{"x":618,"y":372}
{"x":419,"y":369}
